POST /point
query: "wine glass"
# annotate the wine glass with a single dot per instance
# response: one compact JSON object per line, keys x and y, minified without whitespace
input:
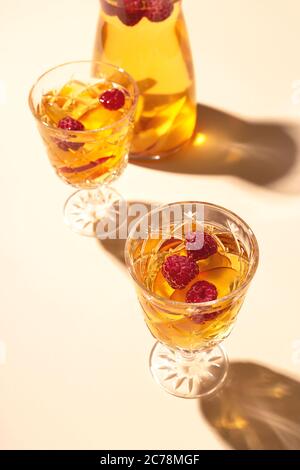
{"x":192,"y":264}
{"x":85,"y":114}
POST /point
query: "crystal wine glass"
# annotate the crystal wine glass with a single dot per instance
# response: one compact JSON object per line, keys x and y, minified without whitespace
{"x":192,"y":264}
{"x":85,"y":115}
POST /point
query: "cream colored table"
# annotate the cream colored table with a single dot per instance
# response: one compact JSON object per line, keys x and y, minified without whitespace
{"x":74,"y":348}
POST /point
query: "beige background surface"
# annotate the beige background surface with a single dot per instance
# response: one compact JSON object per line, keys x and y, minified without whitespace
{"x":73,"y":346}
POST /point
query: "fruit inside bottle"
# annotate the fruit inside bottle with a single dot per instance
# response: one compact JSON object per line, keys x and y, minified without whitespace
{"x":149,"y":40}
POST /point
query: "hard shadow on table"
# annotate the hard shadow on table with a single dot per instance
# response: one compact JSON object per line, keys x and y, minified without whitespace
{"x":257,"y":409}
{"x":258,"y":152}
{"x":135,"y":209}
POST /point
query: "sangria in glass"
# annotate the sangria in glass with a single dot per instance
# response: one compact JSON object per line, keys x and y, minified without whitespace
{"x":192,"y":264}
{"x":85,"y":115}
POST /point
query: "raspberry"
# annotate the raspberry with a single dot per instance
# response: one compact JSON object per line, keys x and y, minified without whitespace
{"x":113,"y":99}
{"x":201,"y":318}
{"x":179,"y":271}
{"x":70,"y":124}
{"x":201,"y":291}
{"x":130,"y":11}
{"x":131,"y":5}
{"x":65,"y":146}
{"x":200,"y":246}
{"x":158,"y":10}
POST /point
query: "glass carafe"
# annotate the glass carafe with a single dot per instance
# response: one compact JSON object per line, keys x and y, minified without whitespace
{"x":149,"y":39}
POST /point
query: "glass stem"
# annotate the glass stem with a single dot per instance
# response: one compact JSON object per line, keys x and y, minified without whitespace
{"x":185,"y":355}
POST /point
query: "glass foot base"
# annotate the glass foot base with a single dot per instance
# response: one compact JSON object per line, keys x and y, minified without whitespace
{"x":188,"y":375}
{"x":86,"y":208}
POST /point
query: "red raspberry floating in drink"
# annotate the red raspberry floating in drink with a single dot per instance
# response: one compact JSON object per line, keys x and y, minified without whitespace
{"x":204,"y":317}
{"x":131,"y":11}
{"x":65,"y":146}
{"x":201,"y":291}
{"x":69,"y":124}
{"x":200,"y":246}
{"x":158,"y":10}
{"x":113,"y":99}
{"x":132,"y":5}
{"x":179,"y":271}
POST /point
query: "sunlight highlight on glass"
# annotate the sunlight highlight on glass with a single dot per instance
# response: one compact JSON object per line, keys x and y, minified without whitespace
{"x":200,"y":139}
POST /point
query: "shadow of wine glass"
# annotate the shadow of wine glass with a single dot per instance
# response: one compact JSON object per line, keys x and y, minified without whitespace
{"x":259,"y":152}
{"x":257,"y":409}
{"x":116,"y":246}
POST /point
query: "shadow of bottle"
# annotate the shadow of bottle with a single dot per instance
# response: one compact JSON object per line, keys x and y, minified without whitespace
{"x":259,"y":152}
{"x":257,"y":409}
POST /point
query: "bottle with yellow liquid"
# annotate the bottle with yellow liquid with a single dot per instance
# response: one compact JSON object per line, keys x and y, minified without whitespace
{"x":148,"y":38}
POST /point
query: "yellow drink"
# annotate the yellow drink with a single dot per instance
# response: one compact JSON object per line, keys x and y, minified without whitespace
{"x":85,"y":159}
{"x":226,"y":269}
{"x":157,"y":54}
{"x":192,"y":263}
